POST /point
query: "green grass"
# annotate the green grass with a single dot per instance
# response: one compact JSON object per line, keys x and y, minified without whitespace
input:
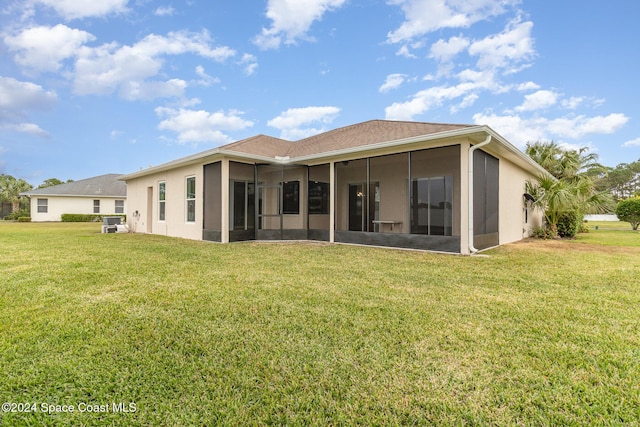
{"x":195,"y":333}
{"x":610,"y":233}
{"x":607,"y":225}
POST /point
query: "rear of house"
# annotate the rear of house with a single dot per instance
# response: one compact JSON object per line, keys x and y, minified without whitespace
{"x":451,"y":188}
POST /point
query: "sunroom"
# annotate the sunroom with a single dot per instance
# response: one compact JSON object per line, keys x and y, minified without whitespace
{"x":437,"y":187}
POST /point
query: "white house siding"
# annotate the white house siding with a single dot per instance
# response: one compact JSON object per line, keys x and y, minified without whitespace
{"x":142,"y":213}
{"x":512,"y":205}
{"x":58,"y":205}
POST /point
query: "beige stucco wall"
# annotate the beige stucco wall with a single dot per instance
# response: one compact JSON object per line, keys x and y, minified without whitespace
{"x":58,"y":205}
{"x":142,"y":212}
{"x":512,"y":207}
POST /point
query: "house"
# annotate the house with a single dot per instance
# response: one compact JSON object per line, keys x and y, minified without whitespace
{"x":440,"y":187}
{"x":104,"y":194}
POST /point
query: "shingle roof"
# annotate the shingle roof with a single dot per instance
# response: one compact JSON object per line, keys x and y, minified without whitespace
{"x":357,"y":135}
{"x":104,"y":186}
{"x":351,"y":138}
{"x":261,"y":145}
{"x":366,"y":133}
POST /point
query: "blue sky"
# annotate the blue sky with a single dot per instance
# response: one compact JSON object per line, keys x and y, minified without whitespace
{"x":92,"y":87}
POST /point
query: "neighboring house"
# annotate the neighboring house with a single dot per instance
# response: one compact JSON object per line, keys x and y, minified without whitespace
{"x":105,"y":195}
{"x":386,"y":183}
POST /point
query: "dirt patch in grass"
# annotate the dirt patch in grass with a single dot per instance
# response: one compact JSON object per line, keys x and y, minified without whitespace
{"x":570,"y":246}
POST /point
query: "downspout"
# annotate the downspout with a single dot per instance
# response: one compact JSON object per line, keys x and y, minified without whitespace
{"x":472,"y":149}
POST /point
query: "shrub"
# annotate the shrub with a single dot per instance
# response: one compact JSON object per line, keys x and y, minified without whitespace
{"x":24,"y":219}
{"x":629,"y":210}
{"x":569,"y":224}
{"x":583,"y":228}
{"x":87,"y":217}
{"x":15,"y":216}
{"x":542,"y":233}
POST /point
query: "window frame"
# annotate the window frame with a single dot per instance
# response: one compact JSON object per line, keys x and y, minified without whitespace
{"x":119,"y":209}
{"x":190,"y":199}
{"x":162,"y":201}
{"x":42,"y":207}
{"x":96,"y":206}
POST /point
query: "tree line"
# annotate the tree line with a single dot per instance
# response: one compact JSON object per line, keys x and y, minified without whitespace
{"x":10,"y":189}
{"x":577,"y":184}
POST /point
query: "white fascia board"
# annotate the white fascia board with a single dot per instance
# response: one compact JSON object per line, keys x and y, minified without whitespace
{"x":197,"y":158}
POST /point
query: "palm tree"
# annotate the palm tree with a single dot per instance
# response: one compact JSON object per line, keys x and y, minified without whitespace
{"x":570,"y":187}
{"x":10,"y":189}
{"x":564,"y":163}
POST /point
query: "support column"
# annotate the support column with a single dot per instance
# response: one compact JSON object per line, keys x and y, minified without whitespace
{"x":224,"y":200}
{"x":464,"y":197}
{"x":332,"y":202}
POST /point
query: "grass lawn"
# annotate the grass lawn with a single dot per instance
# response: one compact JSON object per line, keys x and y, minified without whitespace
{"x":195,"y":333}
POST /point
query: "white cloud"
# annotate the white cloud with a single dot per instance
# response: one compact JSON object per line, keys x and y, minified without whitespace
{"x":424,"y":100}
{"x":17,"y":100}
{"x":523,"y":87}
{"x":74,"y":9}
{"x":498,"y":54}
{"x":517,"y":130}
{"x":19,"y":96}
{"x":393,"y":81}
{"x":425,"y":16}
{"x":149,"y":90}
{"x":28,"y":128}
{"x":444,"y":51}
{"x":520,"y":130}
{"x":109,"y":68}
{"x":538,"y":100}
{"x":579,"y":126}
{"x":632,"y":143}
{"x":164,"y":11}
{"x":573,"y":102}
{"x":205,"y":79}
{"x":467,"y":102}
{"x":292,"y":122}
{"x":201,"y":126}
{"x":510,"y":50}
{"x":44,"y":48}
{"x":250,"y":63}
{"x":405,"y":52}
{"x":291,"y":20}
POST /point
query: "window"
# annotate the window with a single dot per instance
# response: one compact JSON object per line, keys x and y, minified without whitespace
{"x":318,"y":198}
{"x":161,"y":200}
{"x":191,"y":199}
{"x":96,"y":206}
{"x":43,"y":205}
{"x":119,"y":206}
{"x":431,"y":205}
{"x":291,"y":197}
